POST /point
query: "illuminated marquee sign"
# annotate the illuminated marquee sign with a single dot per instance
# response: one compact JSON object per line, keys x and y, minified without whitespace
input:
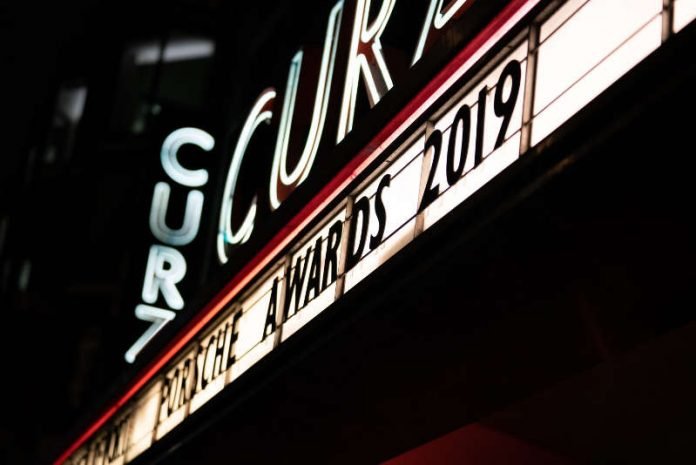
{"x":479,"y":118}
{"x":166,"y":266}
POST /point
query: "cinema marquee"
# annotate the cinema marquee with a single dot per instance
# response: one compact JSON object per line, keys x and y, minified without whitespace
{"x":520,"y":78}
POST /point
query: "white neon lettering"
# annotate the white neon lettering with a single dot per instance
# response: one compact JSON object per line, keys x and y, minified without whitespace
{"x":192,"y":216}
{"x":438,"y":19}
{"x":261,"y":112}
{"x":159,"y":318}
{"x":279,"y":172}
{"x":365,"y":57}
{"x":166,"y":267}
{"x":170,"y":162}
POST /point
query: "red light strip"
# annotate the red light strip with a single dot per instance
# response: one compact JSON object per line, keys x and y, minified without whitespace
{"x":480,"y":45}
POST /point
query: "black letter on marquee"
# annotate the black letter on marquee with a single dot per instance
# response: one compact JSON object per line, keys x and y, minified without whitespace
{"x":174,"y":386}
{"x":185,"y":393}
{"x":381,"y":212}
{"x":165,"y":394}
{"x":113,"y":440}
{"x":504,"y":108}
{"x":234,"y":336}
{"x":361,"y":208}
{"x":294,"y":286}
{"x":480,"y":125}
{"x":313,"y":281}
{"x":219,"y":365}
{"x":431,"y":192}
{"x":463,"y":119}
{"x":331,"y":265}
{"x":200,"y":366}
{"x":208,"y":374}
{"x":271,"y":319}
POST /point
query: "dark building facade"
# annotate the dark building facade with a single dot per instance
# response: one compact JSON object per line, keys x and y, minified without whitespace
{"x":363,"y":232}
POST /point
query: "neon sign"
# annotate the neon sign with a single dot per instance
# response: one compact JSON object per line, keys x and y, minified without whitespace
{"x":166,"y":266}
